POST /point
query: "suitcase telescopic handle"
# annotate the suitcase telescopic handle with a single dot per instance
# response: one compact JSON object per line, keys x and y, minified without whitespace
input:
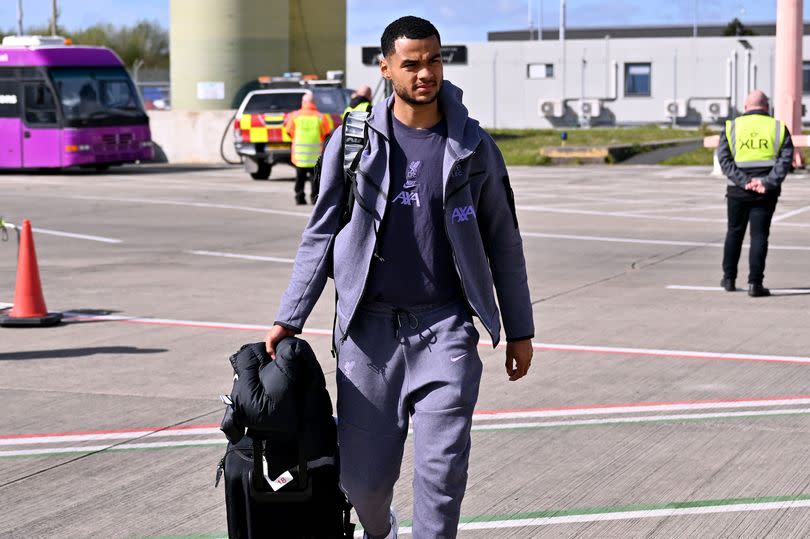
{"x":256,"y":479}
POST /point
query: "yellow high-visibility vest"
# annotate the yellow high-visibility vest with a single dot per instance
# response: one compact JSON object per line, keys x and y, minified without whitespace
{"x":363,"y":107}
{"x":306,"y":144}
{"x":755,"y":140}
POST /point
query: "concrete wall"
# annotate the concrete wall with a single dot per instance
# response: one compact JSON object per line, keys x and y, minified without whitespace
{"x":192,"y":137}
{"x":499,"y":94}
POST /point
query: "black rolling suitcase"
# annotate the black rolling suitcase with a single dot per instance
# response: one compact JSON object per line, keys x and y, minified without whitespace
{"x":281,"y":476}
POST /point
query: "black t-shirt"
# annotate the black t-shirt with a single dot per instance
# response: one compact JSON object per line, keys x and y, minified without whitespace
{"x":417,"y":266}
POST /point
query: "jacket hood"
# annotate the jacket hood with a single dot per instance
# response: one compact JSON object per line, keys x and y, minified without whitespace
{"x":463,"y":134}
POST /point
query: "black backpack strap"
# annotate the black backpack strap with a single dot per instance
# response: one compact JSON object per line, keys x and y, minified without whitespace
{"x":355,"y":136}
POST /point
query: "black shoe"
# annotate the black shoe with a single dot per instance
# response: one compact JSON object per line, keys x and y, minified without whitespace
{"x":756,"y":290}
{"x":728,"y":284}
{"x":300,"y":201}
{"x":313,"y":199}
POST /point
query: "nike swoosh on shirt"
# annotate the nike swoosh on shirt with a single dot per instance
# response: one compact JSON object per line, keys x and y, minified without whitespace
{"x":454,"y":359}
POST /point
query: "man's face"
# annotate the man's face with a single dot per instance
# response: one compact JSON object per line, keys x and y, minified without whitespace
{"x":415,"y":69}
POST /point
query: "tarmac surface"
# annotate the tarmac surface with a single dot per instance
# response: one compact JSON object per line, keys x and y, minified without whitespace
{"x":658,"y":405}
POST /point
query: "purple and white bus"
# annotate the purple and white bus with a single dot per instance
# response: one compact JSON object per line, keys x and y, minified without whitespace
{"x":68,"y":106}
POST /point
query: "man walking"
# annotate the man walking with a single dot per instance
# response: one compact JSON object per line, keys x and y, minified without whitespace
{"x":432,"y":232}
{"x":755,"y":153}
{"x":308,"y":129}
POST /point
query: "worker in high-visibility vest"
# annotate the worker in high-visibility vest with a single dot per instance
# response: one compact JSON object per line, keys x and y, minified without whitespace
{"x":755,"y":153}
{"x":308,"y":128}
{"x":361,"y":100}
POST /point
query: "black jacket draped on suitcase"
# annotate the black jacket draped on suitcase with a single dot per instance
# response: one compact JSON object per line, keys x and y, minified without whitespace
{"x":280,"y":410}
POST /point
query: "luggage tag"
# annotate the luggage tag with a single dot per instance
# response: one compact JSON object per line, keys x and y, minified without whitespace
{"x":280,"y":482}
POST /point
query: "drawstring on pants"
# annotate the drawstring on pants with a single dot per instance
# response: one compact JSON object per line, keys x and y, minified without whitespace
{"x":412,"y":320}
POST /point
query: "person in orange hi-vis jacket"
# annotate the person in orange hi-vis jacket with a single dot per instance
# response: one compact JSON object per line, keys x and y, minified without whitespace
{"x":308,"y":128}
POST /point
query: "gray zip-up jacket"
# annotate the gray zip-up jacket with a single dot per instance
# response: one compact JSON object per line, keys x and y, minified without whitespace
{"x":479,"y":217}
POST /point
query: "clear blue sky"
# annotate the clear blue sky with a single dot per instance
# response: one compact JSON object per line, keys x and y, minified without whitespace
{"x":458,"y":21}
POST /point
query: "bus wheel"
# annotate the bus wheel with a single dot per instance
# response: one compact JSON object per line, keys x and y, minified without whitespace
{"x":263,"y":172}
{"x":101,"y":168}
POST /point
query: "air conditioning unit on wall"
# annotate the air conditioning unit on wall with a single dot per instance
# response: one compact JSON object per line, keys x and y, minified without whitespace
{"x":550,"y":108}
{"x":675,"y":108}
{"x":716,"y":109}
{"x":589,"y":108}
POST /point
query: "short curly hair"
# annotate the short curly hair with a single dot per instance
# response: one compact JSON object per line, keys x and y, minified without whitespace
{"x":408,"y":27}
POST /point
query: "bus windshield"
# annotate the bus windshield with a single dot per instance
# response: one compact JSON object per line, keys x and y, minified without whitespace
{"x":97,"y":96}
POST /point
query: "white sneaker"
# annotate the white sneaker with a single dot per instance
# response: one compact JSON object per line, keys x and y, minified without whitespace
{"x":394,"y":526}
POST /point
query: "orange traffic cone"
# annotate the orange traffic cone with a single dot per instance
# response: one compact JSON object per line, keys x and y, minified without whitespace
{"x":29,"y":304}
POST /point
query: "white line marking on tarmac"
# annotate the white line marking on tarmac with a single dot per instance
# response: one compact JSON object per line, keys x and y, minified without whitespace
{"x":243,"y":257}
{"x":124,"y":435}
{"x":479,"y":415}
{"x":608,"y":239}
{"x":551,"y":209}
{"x":774,"y":291}
{"x":636,"y":408}
{"x":49,"y":232}
{"x":641,"y":419}
{"x":477,"y":428}
{"x":482,"y":343}
{"x":93,"y":448}
{"x":195,"y":205}
{"x":628,"y":515}
{"x":790,"y":214}
{"x":644,"y":212}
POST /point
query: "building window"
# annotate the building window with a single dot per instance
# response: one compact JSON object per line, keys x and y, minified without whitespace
{"x":806,"y":78}
{"x":637,"y":80}
{"x":540,"y":71}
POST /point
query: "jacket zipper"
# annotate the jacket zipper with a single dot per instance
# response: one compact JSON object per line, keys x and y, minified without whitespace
{"x":453,"y":249}
{"x":373,"y":254}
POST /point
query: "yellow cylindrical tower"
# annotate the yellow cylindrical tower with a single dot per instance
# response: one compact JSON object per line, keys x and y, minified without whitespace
{"x":217,"y":46}
{"x":317,"y":36}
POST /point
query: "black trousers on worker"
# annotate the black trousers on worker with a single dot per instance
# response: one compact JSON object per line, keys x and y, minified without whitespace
{"x":740,"y":212}
{"x":301,"y":177}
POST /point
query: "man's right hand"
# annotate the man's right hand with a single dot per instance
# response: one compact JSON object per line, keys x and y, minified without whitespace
{"x":274,"y":336}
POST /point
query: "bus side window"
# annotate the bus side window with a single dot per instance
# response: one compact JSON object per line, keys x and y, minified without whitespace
{"x":40,"y":107}
{"x":9,"y":99}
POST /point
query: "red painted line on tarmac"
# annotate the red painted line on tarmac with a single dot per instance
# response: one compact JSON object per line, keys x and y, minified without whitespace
{"x":478,"y":413}
{"x":610,"y":350}
{"x":638,"y":405}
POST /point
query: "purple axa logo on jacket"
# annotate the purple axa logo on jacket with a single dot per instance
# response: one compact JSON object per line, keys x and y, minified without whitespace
{"x":463,"y":214}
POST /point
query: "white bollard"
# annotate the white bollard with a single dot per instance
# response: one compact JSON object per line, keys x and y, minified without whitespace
{"x":716,"y":170}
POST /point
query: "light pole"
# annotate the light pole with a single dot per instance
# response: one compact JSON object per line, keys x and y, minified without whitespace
{"x":53,"y":17}
{"x":19,"y":18}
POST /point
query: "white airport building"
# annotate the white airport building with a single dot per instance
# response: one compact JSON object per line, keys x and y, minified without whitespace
{"x":676,"y":75}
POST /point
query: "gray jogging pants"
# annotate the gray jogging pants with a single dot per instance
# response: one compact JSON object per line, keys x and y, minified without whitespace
{"x":400,"y":364}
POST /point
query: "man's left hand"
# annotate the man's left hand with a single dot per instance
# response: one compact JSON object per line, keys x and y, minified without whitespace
{"x":756,"y":185}
{"x":518,"y":358}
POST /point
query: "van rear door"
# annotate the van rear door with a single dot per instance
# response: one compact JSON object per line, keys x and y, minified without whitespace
{"x":10,"y":124}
